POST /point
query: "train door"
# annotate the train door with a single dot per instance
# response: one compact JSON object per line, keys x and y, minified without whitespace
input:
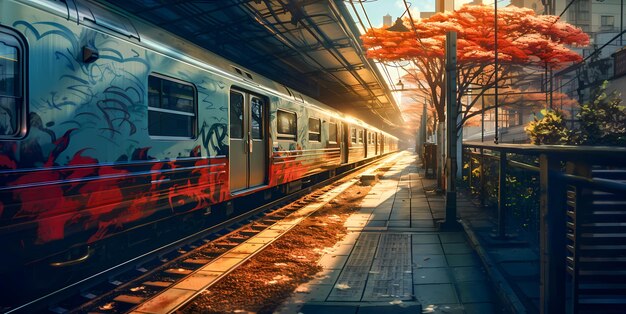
{"x":344,"y":142}
{"x":376,"y":143}
{"x":248,"y":140}
{"x":365,"y":143}
{"x":382,"y":144}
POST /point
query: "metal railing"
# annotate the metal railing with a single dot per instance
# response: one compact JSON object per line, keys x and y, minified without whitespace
{"x":551,"y":172}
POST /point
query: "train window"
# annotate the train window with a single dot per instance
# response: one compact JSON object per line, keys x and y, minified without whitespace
{"x":12,"y":104}
{"x":256,"y":106}
{"x":315,"y":128}
{"x":361,"y":136}
{"x":332,"y":132}
{"x":171,"y":107}
{"x":236,"y":115}
{"x":353,"y":135}
{"x":286,"y":125}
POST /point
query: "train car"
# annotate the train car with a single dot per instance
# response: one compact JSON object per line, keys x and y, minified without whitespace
{"x":117,"y":137}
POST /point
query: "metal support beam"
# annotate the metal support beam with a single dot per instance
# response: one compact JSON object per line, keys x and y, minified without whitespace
{"x":552,"y":236}
{"x":450,"y":222}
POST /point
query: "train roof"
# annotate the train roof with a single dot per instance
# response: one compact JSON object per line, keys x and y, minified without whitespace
{"x":149,"y":36}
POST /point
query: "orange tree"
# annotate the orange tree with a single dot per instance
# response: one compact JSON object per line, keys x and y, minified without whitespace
{"x":524,"y":40}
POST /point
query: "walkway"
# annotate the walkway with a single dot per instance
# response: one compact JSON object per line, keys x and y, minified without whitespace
{"x":394,"y":260}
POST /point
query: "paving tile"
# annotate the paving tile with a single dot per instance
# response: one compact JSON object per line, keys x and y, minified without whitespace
{"x":452,"y":237}
{"x":400,"y":216}
{"x":457,"y":248}
{"x":325,"y":277}
{"x":422,"y":223}
{"x":481,"y":308}
{"x":434,"y":248}
{"x":419,"y":209}
{"x":331,"y":261}
{"x":473,"y":292}
{"x":424,"y":238}
{"x":435,"y":294}
{"x":443,"y":308}
{"x":380,"y":215}
{"x":462,"y":260}
{"x":431,"y":275}
{"x":342,"y":249}
{"x":399,"y":223}
{"x":422,"y":216}
{"x":376,"y":223}
{"x":401,"y":201}
{"x":469,"y":273}
{"x":328,"y":309}
{"x":429,"y":260}
{"x":390,"y":274}
{"x":316,"y":292}
{"x":402,"y":308}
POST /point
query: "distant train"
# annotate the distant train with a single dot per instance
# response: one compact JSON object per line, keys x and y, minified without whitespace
{"x":116,"y":137}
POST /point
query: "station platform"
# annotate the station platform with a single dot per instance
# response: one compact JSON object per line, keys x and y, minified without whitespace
{"x":394,"y":260}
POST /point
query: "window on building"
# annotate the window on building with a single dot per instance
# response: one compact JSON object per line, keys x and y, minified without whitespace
{"x":315,"y":128}
{"x":332,"y":132}
{"x":286,"y":125}
{"x":12,"y":104}
{"x":607,"y":21}
{"x":171,"y":107}
{"x":353,"y":135}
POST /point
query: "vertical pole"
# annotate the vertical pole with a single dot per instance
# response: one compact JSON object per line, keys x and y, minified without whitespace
{"x":495,"y":66}
{"x":470,"y":155}
{"x":482,"y":119}
{"x":502,"y":196}
{"x":552,"y":236}
{"x":621,"y":23}
{"x":482,"y":178}
{"x":451,"y":117}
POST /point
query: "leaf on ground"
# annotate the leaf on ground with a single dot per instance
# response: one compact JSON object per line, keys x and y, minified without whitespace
{"x":342,"y":286}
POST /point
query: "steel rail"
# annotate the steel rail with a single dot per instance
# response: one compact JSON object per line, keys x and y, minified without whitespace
{"x":138,"y":260}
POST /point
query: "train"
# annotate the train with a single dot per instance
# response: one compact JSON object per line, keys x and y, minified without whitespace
{"x":117,"y":137}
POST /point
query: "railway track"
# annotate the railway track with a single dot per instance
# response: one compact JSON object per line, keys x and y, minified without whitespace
{"x":156,"y":272}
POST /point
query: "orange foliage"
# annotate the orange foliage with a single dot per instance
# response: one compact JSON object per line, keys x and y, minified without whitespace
{"x":523,"y":38}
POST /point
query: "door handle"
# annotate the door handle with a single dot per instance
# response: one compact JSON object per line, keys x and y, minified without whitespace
{"x":250,"y":141}
{"x":74,"y":261}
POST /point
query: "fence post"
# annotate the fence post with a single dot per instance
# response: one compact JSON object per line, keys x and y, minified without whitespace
{"x":502,"y":196}
{"x":482,"y":179}
{"x":470,"y":155}
{"x":552,"y":233}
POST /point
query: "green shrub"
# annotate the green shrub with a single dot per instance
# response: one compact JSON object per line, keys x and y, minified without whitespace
{"x":550,"y":129}
{"x":603,"y":120}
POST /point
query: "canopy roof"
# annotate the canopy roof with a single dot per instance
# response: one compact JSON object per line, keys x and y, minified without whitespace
{"x":311,"y":46}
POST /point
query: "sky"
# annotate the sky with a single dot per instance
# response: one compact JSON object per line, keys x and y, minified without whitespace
{"x":376,"y":9}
